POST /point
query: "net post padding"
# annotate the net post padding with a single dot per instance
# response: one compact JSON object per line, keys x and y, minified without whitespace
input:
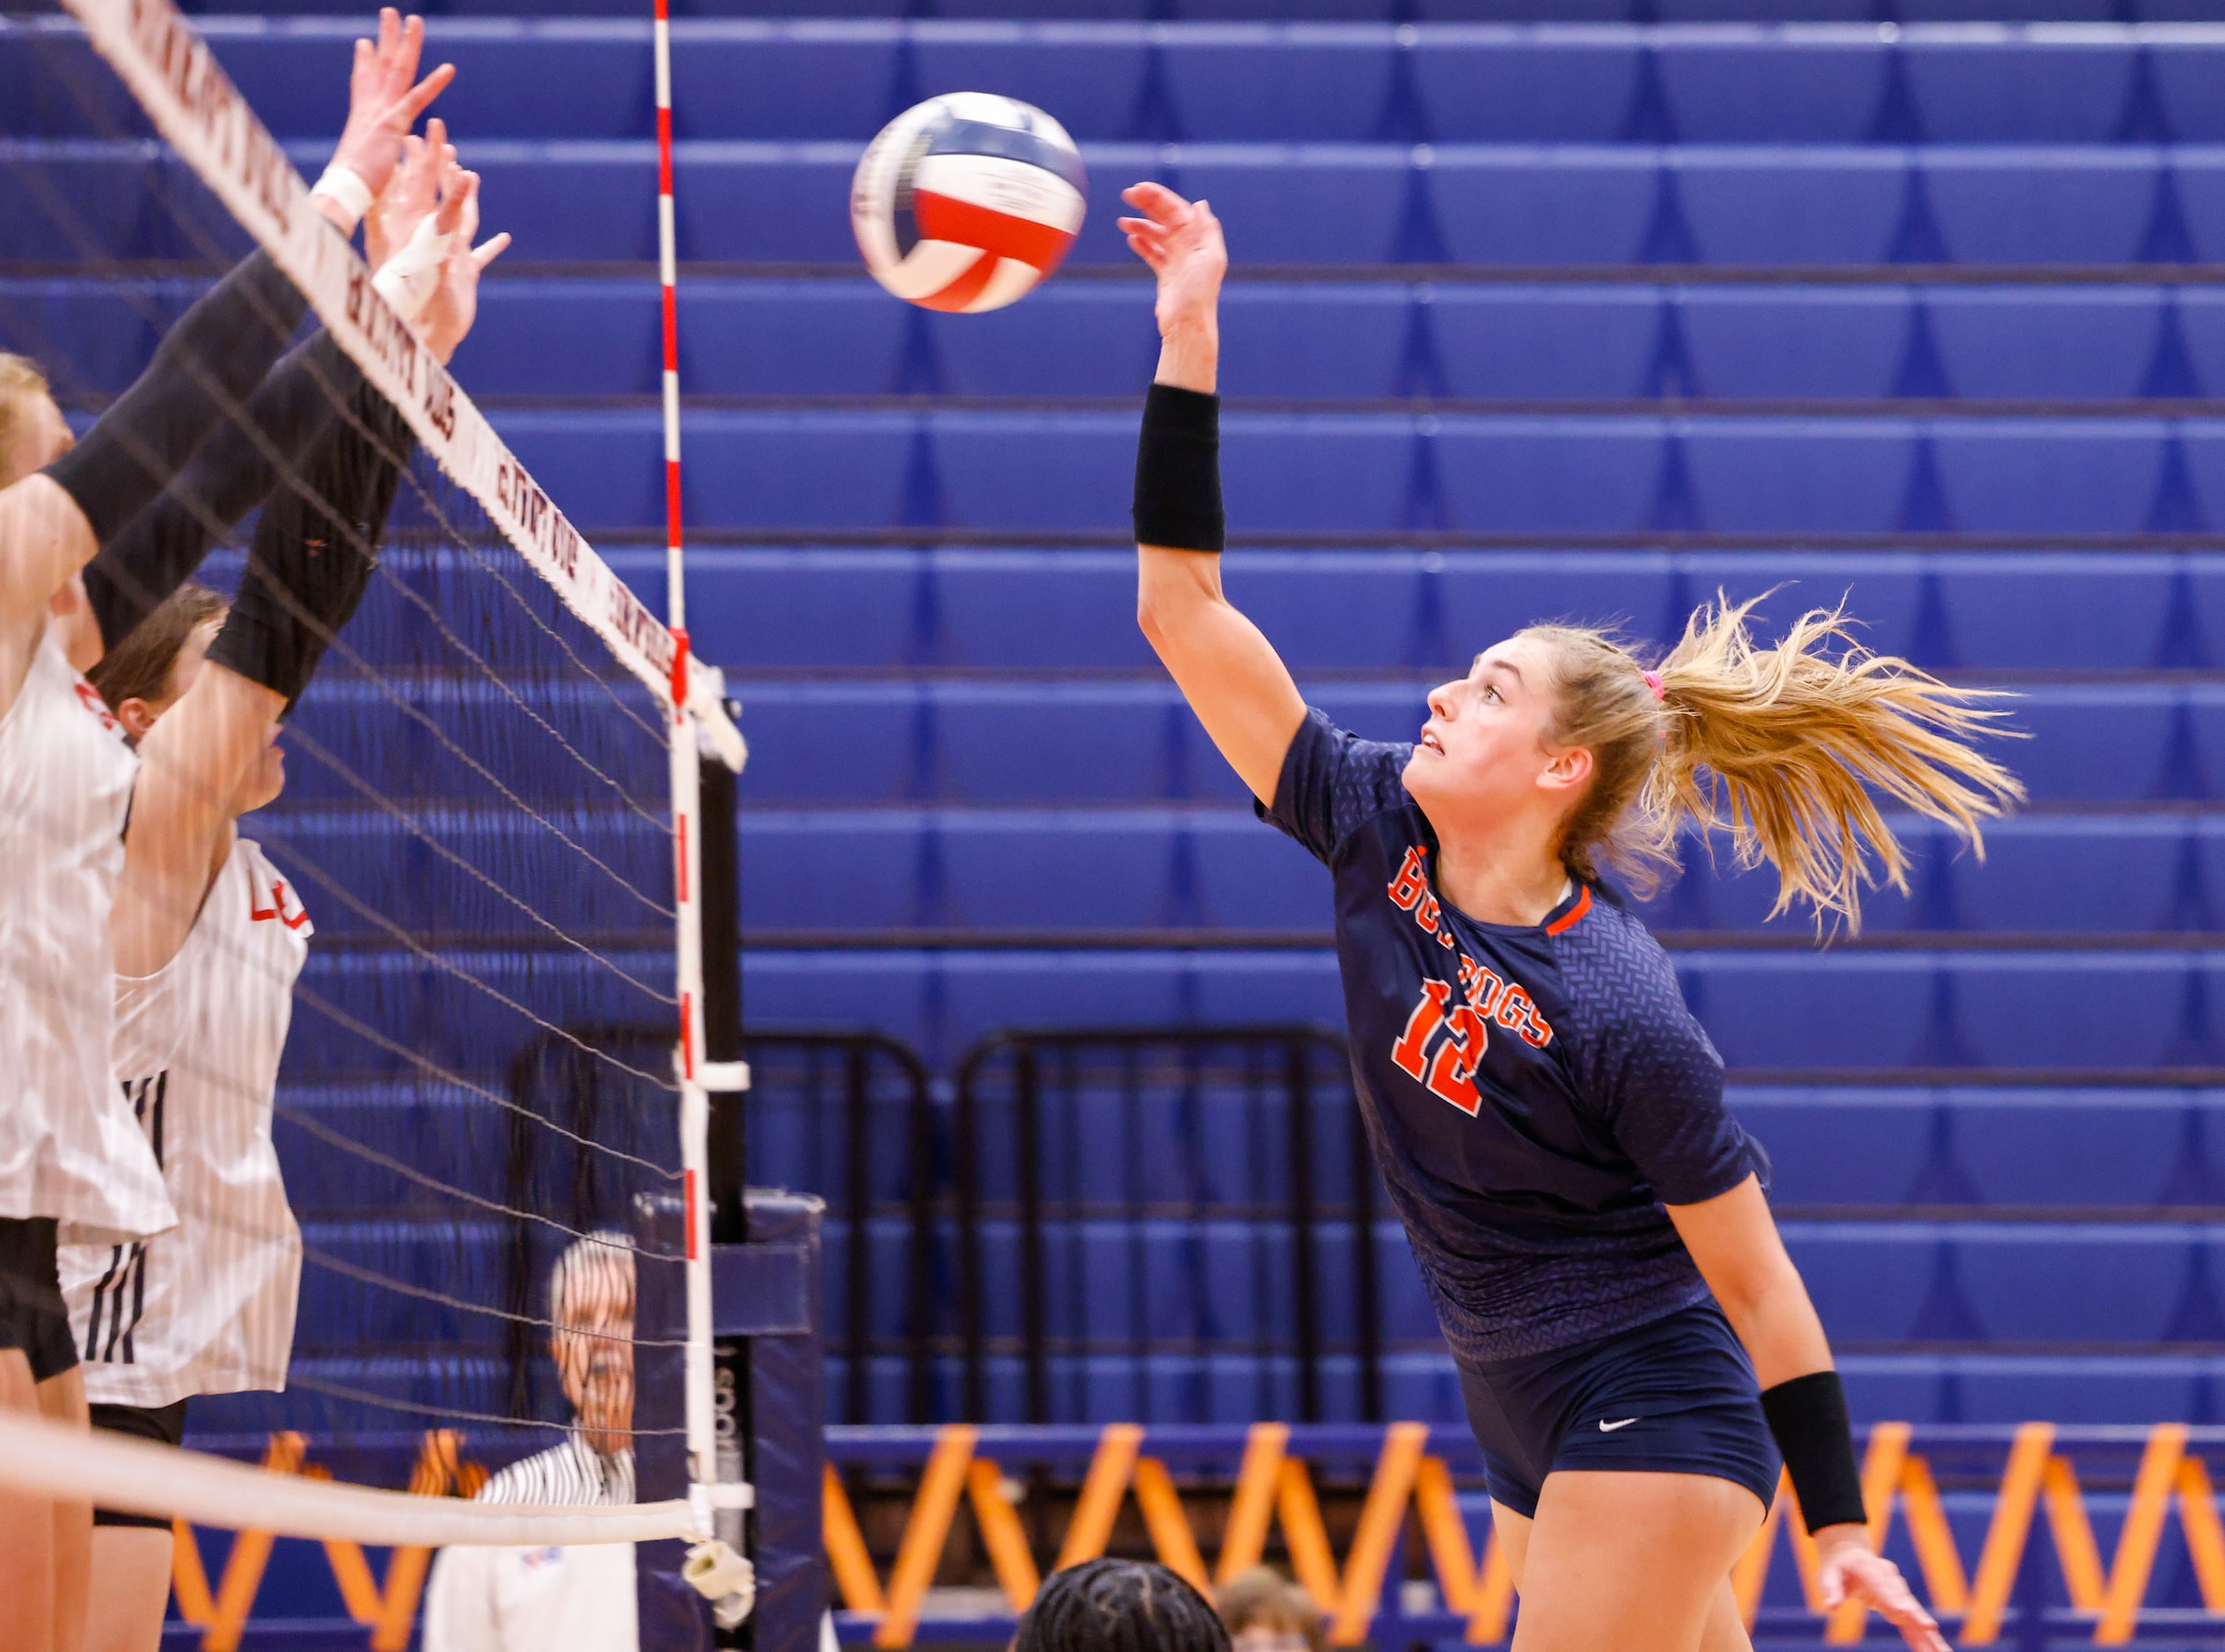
{"x":194,"y":106}
{"x":49,"y":1459}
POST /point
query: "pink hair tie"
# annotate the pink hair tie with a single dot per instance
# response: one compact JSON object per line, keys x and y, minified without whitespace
{"x":1653,"y":682}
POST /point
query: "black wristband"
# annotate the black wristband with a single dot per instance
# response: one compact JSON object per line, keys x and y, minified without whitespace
{"x":1178,"y":471}
{"x":313,"y":556}
{"x":231,"y":472}
{"x":1808,"y":1416}
{"x":216,"y":353}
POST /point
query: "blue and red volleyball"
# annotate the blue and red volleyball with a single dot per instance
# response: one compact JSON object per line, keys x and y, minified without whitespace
{"x":965,"y":201}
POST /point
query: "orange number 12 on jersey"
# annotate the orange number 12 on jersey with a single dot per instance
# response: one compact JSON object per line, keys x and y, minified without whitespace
{"x":1449,"y":1074}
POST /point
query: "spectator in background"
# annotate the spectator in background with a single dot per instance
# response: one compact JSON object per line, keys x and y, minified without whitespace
{"x":1266,"y":1612}
{"x":548,"y":1599}
{"x":1118,"y":1606}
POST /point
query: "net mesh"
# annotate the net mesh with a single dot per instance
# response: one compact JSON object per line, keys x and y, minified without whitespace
{"x":477,"y":1091}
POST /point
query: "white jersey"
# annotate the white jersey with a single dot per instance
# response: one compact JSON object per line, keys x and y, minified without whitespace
{"x":68,"y":1148}
{"x":578,"y":1598}
{"x":209,"y":1308}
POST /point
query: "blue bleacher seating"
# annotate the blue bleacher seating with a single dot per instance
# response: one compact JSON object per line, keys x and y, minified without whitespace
{"x":2002,"y":1389}
{"x":1297,"y":341}
{"x":764,"y":202}
{"x":354,"y":866}
{"x":1425,"y":613}
{"x":468,"y":1260}
{"x":2043,"y":1011}
{"x":1623,"y":13}
{"x":2097,"y":1011}
{"x":2014,"y":482}
{"x":1323,"y":473}
{"x":406,"y":1122}
{"x":1016,"y":869}
{"x":2118,"y":1149}
{"x":478,"y":1029}
{"x":1223,"y":1284}
{"x":2041,"y":1152}
{"x":338,"y":750}
{"x":1999,"y":1390}
{"x":1379,"y":340}
{"x":1232,"y":81}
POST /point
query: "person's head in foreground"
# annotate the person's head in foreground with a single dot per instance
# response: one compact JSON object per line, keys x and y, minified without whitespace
{"x":148,"y":672}
{"x":33,"y":435}
{"x":1119,"y":1606}
{"x":1561,"y":736}
{"x":591,"y":1306}
{"x":33,"y":432}
{"x":1266,"y":1612}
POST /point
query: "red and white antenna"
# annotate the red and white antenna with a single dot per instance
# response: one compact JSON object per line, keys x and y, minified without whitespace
{"x":706,"y":1492}
{"x":675,"y":581}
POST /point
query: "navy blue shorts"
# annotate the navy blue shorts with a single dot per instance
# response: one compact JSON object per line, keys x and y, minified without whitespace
{"x":1674,"y":1397}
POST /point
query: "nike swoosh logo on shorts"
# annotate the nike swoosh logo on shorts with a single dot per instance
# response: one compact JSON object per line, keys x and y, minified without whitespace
{"x":1608,"y":1427}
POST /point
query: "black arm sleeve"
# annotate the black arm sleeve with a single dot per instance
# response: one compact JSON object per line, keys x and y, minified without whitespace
{"x":313,"y":556}
{"x":1808,"y":1416}
{"x":217,"y":352}
{"x":231,"y":472}
{"x":1178,"y":502}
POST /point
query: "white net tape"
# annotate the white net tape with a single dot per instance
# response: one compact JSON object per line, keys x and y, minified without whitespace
{"x":137,"y":1477}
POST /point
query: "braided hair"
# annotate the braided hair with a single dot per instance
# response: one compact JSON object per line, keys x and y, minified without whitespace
{"x":1119,"y":1606}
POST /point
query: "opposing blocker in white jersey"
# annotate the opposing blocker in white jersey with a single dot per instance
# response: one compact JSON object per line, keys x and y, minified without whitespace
{"x":68,"y":1149}
{"x":203,"y":1009}
{"x":208,"y":1308}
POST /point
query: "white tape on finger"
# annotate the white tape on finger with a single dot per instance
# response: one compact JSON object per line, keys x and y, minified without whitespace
{"x":409,"y":280}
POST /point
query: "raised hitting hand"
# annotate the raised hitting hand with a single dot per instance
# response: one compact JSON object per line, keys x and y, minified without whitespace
{"x":384,"y":97}
{"x":1181,"y":242}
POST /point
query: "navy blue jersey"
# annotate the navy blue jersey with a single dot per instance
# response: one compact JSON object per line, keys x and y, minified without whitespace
{"x":1534,"y":1093}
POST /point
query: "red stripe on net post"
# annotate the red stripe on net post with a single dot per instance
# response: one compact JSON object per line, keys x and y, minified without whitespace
{"x":667,"y":262}
{"x":686,"y":779}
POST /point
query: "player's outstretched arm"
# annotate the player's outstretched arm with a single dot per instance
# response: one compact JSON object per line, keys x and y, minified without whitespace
{"x":193,"y":765}
{"x":53,"y":523}
{"x":1735,"y":1243}
{"x":292,"y":411}
{"x":1225,"y":668}
{"x":205,"y":762}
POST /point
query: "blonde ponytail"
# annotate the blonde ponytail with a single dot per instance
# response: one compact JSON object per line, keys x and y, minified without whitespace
{"x":1783,"y":748}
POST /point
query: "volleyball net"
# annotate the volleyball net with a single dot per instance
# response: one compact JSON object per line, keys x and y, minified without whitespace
{"x":491,"y":1112}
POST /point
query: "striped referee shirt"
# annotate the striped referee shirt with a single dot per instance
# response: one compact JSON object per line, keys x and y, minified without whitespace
{"x":541,"y":1599}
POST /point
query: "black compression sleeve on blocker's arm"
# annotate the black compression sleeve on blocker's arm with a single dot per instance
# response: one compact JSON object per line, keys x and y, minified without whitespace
{"x":1178,"y":471}
{"x":313,"y":557}
{"x":231,"y":472}
{"x":217,"y":352}
{"x":1808,"y":1416}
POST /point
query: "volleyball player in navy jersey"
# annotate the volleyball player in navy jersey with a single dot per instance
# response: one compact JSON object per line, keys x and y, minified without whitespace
{"x":1637,"y":1354}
